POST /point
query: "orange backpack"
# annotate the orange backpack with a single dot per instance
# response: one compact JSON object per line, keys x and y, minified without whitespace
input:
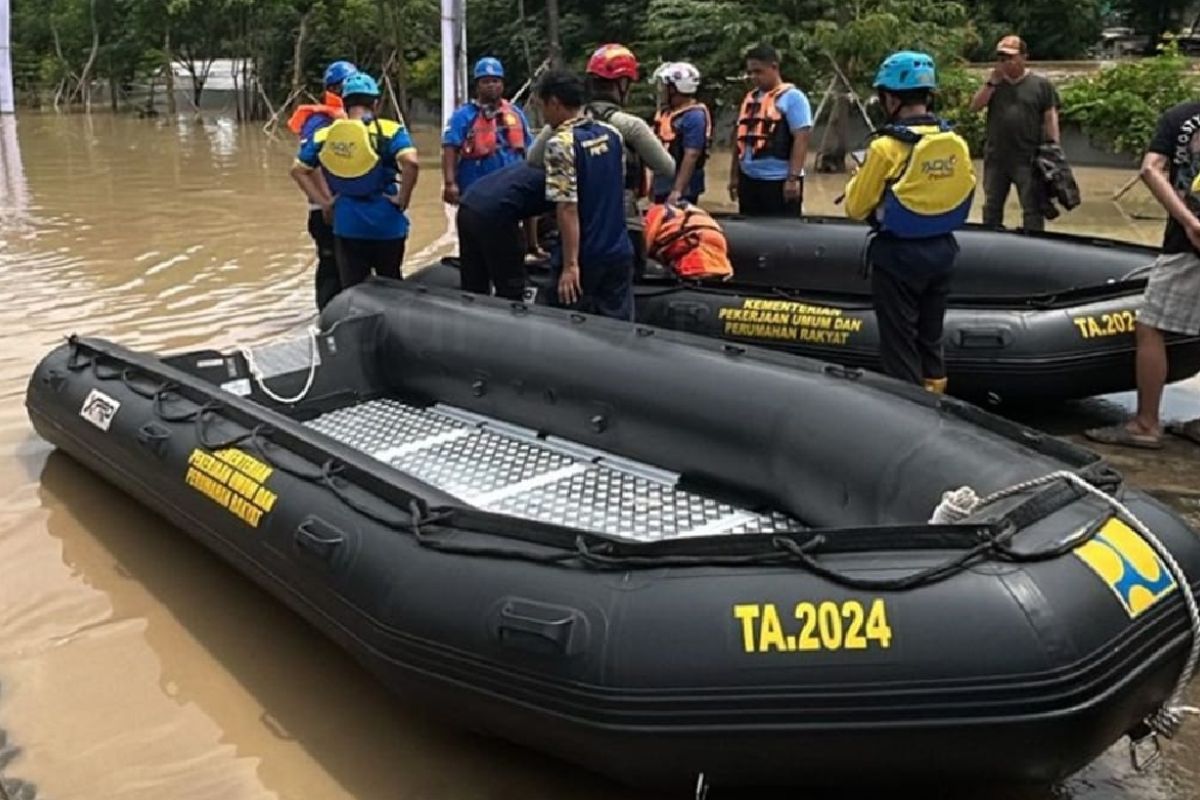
{"x":688,"y":240}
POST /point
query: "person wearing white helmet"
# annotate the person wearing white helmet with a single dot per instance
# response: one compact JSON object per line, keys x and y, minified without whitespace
{"x":684,"y":126}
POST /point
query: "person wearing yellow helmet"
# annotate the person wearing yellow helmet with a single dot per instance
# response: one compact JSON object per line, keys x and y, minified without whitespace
{"x":915,"y":188}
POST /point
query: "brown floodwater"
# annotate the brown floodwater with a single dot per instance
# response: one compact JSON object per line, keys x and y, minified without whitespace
{"x":133,"y":663}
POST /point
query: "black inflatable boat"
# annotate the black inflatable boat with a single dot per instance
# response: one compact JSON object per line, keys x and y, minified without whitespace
{"x":1031,"y":317}
{"x":656,"y":555}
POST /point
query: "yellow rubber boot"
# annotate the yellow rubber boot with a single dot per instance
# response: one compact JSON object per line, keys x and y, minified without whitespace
{"x":936,"y":385}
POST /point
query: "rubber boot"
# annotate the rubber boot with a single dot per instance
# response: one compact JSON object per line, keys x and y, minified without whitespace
{"x":936,"y":385}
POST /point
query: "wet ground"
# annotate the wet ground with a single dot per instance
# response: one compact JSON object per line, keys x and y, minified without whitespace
{"x":134,"y":664}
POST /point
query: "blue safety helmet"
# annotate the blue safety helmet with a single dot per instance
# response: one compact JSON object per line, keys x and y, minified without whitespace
{"x":360,"y":83}
{"x":488,"y":67}
{"x":338,"y":71}
{"x":906,"y":71}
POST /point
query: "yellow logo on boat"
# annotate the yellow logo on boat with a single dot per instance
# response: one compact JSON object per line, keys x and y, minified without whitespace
{"x":1128,"y":565}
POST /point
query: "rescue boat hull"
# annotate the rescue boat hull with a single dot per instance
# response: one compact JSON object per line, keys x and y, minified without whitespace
{"x":1031,"y":317}
{"x":573,"y":560}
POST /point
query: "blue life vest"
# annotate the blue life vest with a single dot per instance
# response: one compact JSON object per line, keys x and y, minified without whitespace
{"x":932,"y":194}
{"x":355,"y":157}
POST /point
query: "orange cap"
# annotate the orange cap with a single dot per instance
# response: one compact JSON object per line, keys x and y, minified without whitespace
{"x":1011,"y":45}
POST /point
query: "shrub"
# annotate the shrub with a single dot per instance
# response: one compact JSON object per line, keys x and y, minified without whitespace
{"x":1119,"y":106}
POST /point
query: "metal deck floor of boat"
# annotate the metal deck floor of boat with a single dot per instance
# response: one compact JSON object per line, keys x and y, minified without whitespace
{"x":511,"y":470}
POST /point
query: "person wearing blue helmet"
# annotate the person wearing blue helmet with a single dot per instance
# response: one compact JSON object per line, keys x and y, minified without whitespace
{"x":305,"y":121}
{"x":915,"y":188}
{"x":369,"y":166}
{"x":482,"y":135}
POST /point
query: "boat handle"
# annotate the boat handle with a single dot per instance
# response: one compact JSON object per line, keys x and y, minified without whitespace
{"x":319,"y":538}
{"x":556,"y":631}
{"x":154,"y":437}
{"x":983,"y":337}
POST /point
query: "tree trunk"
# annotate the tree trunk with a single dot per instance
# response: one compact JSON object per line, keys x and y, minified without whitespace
{"x":170,"y":73}
{"x":402,"y":84}
{"x":85,"y":77}
{"x":552,"y":33}
{"x":298,"y":54}
{"x":523,"y":26}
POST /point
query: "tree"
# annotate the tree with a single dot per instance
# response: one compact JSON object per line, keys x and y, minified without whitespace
{"x":1154,"y":17}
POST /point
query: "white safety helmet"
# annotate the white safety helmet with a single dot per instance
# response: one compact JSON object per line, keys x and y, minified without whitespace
{"x":680,"y":74}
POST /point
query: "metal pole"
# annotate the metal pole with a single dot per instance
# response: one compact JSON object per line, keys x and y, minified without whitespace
{"x":449,"y":61}
{"x":460,"y":19}
{"x":6,"y":81}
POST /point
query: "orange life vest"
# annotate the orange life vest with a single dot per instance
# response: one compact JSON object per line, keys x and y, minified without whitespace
{"x":688,"y":240}
{"x":332,"y":108}
{"x":664,"y":127}
{"x":761,"y":125}
{"x":484,"y":136}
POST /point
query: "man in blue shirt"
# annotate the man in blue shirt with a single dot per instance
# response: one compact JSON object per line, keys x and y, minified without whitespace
{"x":305,"y":121}
{"x":361,"y":158}
{"x":585,"y":180}
{"x":684,"y":126}
{"x":490,"y":244}
{"x":483,"y":135}
{"x":770,"y":141}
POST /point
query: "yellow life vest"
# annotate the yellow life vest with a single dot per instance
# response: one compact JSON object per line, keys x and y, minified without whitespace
{"x":932,"y":194}
{"x":354,"y":156}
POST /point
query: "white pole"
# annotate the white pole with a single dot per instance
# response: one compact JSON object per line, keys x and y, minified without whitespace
{"x":460,"y":19}
{"x":450,"y":40}
{"x":6,"y":82}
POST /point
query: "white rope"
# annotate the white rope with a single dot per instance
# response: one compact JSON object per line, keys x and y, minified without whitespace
{"x":960,"y":503}
{"x":260,"y":379}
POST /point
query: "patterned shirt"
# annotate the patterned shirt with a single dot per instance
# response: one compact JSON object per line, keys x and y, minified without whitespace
{"x":585,"y":165}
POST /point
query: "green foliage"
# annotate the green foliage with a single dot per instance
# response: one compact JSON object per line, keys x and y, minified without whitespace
{"x":956,"y":88}
{"x":1120,"y":105}
{"x":1062,"y":29}
{"x":861,"y":41}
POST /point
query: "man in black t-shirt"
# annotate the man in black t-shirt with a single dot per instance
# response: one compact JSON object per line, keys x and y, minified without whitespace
{"x":1171,"y":304}
{"x":1022,"y":114}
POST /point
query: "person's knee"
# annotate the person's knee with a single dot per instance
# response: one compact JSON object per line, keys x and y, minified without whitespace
{"x":1147,"y":336}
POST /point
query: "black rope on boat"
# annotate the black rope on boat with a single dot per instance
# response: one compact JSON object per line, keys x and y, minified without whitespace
{"x":983,"y":542}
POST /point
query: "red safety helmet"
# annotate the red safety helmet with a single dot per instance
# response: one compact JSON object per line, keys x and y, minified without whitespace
{"x":613,"y":61}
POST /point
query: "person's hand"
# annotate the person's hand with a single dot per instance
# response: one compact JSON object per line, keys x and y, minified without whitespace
{"x":396,"y":200}
{"x":327,"y":212}
{"x":791,"y":189}
{"x":536,"y":253}
{"x":996,"y":75}
{"x":569,"y":288}
{"x":1193,"y":233}
{"x":450,"y":194}
{"x":733,"y":189}
{"x":673,"y":198}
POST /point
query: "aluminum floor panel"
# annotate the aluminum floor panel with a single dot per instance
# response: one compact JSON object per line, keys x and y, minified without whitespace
{"x":508,"y":470}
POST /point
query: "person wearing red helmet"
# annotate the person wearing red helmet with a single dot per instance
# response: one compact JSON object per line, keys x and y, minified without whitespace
{"x":610,"y":71}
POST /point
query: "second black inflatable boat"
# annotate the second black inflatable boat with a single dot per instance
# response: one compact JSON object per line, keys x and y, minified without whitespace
{"x":1032,"y":316}
{"x":654,"y":555}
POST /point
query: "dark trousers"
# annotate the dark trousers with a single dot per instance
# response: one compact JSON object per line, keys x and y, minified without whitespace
{"x":358,"y":258}
{"x":910,"y":282}
{"x":607,"y":290}
{"x":765,"y":198}
{"x":492,"y":254}
{"x":328,"y":281}
{"x":998,"y":176}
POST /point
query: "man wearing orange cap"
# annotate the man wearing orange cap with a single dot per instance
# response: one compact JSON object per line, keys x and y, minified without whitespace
{"x":1022,"y":115}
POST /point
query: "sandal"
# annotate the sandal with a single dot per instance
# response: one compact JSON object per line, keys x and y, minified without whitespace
{"x":1189,"y":430}
{"x":1121,"y":436}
